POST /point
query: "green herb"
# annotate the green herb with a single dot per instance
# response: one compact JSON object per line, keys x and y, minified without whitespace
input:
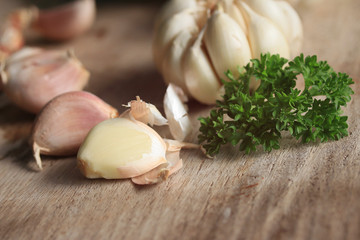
{"x":258,"y":118}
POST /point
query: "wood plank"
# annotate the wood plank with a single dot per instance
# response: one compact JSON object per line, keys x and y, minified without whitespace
{"x":307,"y":191}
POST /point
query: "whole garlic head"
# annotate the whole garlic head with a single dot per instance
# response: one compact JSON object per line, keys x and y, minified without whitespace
{"x":197,"y":41}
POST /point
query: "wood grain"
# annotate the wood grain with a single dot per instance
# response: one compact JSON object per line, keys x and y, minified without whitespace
{"x":299,"y":192}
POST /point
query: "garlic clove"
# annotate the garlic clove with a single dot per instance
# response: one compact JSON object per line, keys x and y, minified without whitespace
{"x":264,"y":36}
{"x":295,"y":33}
{"x":144,"y":112}
{"x":226,"y":44}
{"x":231,"y":8}
{"x":120,"y":148}
{"x":173,"y":7}
{"x":167,"y":32}
{"x":270,"y":10}
{"x":67,"y":21}
{"x":64,"y":122}
{"x":199,"y":75}
{"x":173,"y":57}
{"x":11,"y":31}
{"x":284,"y":16}
{"x":33,"y":77}
{"x":176,"y":113}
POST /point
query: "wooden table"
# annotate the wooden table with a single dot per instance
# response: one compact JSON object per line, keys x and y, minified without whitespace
{"x":299,"y":192}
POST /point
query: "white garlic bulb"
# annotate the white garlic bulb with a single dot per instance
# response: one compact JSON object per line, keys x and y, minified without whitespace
{"x":197,"y":41}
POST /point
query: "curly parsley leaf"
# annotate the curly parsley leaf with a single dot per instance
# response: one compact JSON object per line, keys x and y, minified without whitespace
{"x":247,"y":119}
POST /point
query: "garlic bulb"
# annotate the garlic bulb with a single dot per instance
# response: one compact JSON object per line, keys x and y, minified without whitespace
{"x":196,"y":42}
{"x":64,"y":122}
{"x":31,"y":77}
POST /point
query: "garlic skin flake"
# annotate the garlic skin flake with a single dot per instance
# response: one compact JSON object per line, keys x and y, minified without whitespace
{"x":144,"y":112}
{"x":33,"y":76}
{"x":176,"y":113}
{"x":120,"y":148}
{"x":234,"y":31}
{"x":64,"y":122}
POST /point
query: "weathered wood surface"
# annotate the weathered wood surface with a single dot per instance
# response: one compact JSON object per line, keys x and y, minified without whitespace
{"x":299,"y":192}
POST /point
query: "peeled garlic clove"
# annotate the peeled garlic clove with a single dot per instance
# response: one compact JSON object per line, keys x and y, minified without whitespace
{"x":161,"y":172}
{"x":226,"y":44}
{"x":199,"y":75}
{"x":120,"y":148}
{"x":295,"y":33}
{"x":144,"y":112}
{"x":64,"y":122}
{"x":176,"y":114}
{"x":264,"y":36}
{"x":173,"y":58}
{"x":67,"y":21}
{"x":33,"y":77}
{"x":167,"y":33}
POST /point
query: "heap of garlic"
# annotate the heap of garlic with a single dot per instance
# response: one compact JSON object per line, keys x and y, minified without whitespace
{"x":196,"y":41}
{"x":59,"y":23}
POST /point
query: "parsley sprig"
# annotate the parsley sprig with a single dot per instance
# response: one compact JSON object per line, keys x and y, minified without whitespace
{"x":250,"y":119}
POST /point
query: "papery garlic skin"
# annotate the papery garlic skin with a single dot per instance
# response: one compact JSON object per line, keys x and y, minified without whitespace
{"x":32,"y":77}
{"x":144,"y":112}
{"x":235,"y":31}
{"x":173,"y":163}
{"x":67,"y":21}
{"x":62,"y":125}
{"x":176,"y":113}
{"x":120,"y":148}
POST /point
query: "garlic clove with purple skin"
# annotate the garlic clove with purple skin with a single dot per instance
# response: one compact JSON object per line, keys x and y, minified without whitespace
{"x":67,"y":21}
{"x":33,"y":76}
{"x":64,"y":122}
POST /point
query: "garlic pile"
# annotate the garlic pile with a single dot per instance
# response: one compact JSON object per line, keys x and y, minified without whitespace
{"x":196,"y":41}
{"x":126,"y":147}
{"x":59,"y":23}
{"x":31,"y":77}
